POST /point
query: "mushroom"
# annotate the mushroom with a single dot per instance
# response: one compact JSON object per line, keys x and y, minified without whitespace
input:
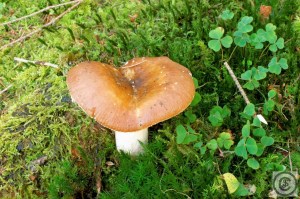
{"x":131,"y":98}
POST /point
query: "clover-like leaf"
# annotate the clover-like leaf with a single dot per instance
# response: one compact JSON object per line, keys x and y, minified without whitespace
{"x":251,"y":85}
{"x":244,"y":24}
{"x":251,"y":146}
{"x":260,"y":73}
{"x":190,"y":115}
{"x":267,"y":141}
{"x":196,"y":100}
{"x":241,"y":38}
{"x":249,"y":109}
{"x":279,"y":44}
{"x":259,"y":132}
{"x":215,"y":45}
{"x":216,"y":33}
{"x":240,"y":149}
{"x":181,"y":134}
{"x":272,"y":93}
{"x":226,"y":41}
{"x":256,"y":41}
{"x":260,"y":149}
{"x":270,"y":27}
{"x":252,"y":162}
{"x":217,"y":114}
{"x":227,"y":14}
{"x":275,"y":67}
{"x":246,"y":130}
{"x":283,"y":63}
{"x":212,"y":144}
{"x":224,"y":140}
{"x":217,"y":41}
{"x":256,"y":122}
{"x":247,"y":75}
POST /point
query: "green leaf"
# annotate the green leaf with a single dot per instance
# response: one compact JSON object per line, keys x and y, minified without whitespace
{"x":270,"y":104}
{"x":181,"y":134}
{"x":228,"y":144}
{"x":189,"y":138}
{"x":212,"y":145}
{"x":226,"y":41}
{"x":247,"y":75}
{"x":224,"y":140}
{"x":241,"y":191}
{"x":246,"y":130}
{"x":240,"y":149}
{"x":260,"y":73}
{"x":280,"y":43}
{"x":260,"y":149}
{"x":226,"y":14}
{"x":231,"y":182}
{"x":267,"y":141}
{"x":259,"y":132}
{"x":283,"y":63}
{"x":196,"y":100}
{"x":240,"y":38}
{"x":249,"y":109}
{"x":190,"y":115}
{"x":246,"y":20}
{"x":195,"y":82}
{"x":251,"y":85}
{"x":251,"y":146}
{"x":215,"y":45}
{"x":270,"y":27}
{"x":252,"y":162}
{"x":274,"y":66}
{"x":273,"y":48}
{"x":216,"y":119}
{"x":256,"y":122}
{"x":225,"y":112}
{"x":216,"y":33}
{"x":198,"y":145}
{"x":271,"y":94}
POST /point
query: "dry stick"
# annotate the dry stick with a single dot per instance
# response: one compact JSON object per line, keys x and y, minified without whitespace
{"x":36,"y":62}
{"x":41,"y":28}
{"x":6,"y":89}
{"x":237,"y":83}
{"x":37,"y":12}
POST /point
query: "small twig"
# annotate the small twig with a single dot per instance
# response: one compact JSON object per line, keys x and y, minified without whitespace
{"x":290,"y":160}
{"x":4,"y":90}
{"x":37,"y":12}
{"x":20,"y":39}
{"x":36,"y":62}
{"x":243,"y":93}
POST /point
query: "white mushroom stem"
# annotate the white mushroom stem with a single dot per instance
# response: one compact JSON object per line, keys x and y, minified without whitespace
{"x":129,"y":142}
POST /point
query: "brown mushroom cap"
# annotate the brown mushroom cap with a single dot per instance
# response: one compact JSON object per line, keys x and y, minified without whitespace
{"x":143,"y":92}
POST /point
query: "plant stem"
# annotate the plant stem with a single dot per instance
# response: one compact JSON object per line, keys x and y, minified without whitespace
{"x":37,"y":12}
{"x":261,"y":54}
{"x":20,"y":39}
{"x":231,"y":54}
{"x":36,"y":62}
{"x":243,"y":93}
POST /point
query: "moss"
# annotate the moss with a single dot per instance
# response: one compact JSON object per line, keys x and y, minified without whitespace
{"x":38,"y":119}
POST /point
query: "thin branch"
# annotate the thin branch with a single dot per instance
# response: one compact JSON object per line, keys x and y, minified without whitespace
{"x":36,"y":62}
{"x":6,"y":89}
{"x":37,"y":12}
{"x":243,"y":93}
{"x":290,"y":159}
{"x":41,"y":28}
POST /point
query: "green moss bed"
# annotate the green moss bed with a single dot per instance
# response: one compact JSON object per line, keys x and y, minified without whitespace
{"x":49,"y":148}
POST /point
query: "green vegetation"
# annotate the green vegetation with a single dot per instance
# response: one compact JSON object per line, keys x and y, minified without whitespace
{"x":217,"y":148}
